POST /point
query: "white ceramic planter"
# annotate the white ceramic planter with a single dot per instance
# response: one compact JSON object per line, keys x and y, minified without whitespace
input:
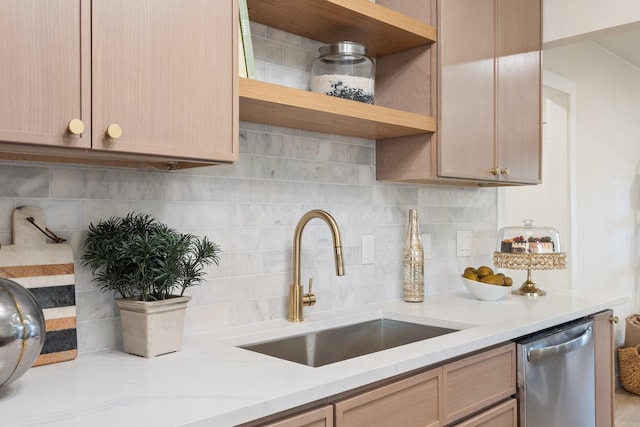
{"x":152,"y":328}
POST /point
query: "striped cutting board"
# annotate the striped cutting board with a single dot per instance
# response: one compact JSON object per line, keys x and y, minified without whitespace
{"x":46,"y":269}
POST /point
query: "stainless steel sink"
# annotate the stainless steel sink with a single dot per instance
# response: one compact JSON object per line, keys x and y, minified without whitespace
{"x":327,"y":346}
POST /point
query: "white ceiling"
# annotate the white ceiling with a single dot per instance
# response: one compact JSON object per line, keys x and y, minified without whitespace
{"x":625,"y":44}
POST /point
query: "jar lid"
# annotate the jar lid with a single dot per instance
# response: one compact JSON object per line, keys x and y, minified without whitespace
{"x":528,"y":239}
{"x":343,"y":47}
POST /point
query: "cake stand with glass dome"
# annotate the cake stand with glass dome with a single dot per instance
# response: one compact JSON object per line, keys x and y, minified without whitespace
{"x":529,"y":248}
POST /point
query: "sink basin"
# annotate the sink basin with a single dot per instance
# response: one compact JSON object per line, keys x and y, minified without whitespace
{"x":327,"y":346}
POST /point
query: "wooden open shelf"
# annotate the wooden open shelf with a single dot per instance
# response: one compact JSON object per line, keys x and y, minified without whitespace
{"x":262,"y":102}
{"x":382,"y":30}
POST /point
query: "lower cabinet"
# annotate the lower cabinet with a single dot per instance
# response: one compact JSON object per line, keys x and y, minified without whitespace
{"x":477,"y":381}
{"x":502,"y":415}
{"x":475,"y":390}
{"x":603,"y":334}
{"x":414,"y":401}
{"x":318,"y":417}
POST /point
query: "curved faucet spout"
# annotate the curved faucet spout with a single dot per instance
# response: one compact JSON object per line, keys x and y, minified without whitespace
{"x":297,"y":298}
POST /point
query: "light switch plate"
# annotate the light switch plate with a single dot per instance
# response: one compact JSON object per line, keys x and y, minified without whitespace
{"x":463,"y":246}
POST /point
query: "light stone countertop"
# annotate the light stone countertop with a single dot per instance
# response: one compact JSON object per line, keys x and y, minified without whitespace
{"x":211,"y":382}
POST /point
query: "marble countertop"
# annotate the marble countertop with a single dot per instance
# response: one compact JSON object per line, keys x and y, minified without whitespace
{"x":211,"y":382}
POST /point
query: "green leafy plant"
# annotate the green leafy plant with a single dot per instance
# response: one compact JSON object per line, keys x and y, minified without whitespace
{"x":143,"y":259}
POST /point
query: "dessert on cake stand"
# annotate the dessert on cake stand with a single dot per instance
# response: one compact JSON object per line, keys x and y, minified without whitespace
{"x":529,"y":248}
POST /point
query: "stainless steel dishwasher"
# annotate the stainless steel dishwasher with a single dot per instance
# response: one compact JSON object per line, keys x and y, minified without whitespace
{"x":556,"y":377}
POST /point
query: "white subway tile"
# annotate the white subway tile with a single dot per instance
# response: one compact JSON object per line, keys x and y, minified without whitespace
{"x":250,"y":208}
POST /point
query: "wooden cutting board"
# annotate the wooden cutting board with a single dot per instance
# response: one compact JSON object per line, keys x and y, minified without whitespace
{"x":46,"y":269}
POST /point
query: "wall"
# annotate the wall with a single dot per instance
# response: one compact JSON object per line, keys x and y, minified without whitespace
{"x":573,"y":20}
{"x":607,"y":162}
{"x":251,"y":209}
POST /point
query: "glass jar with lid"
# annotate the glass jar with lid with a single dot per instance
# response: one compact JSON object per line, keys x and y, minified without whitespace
{"x":529,"y":248}
{"x":528,"y":239}
{"x":344,"y":70}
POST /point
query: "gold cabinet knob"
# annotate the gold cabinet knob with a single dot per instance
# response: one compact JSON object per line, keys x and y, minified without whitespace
{"x":613,"y":319}
{"x":497,"y":171}
{"x":114,"y":131}
{"x":75,"y":127}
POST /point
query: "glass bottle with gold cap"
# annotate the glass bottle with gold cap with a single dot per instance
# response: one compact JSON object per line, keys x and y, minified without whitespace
{"x":413,"y":261}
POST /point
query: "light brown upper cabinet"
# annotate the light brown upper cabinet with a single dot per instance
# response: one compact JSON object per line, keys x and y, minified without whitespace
{"x":132,"y":82}
{"x":489,"y":108}
{"x":44,"y":77}
{"x":518,"y":91}
{"x":487,"y":64}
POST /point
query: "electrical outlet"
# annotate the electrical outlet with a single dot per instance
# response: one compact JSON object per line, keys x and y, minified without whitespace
{"x":426,"y":245}
{"x":463,"y":246}
{"x":367,"y":249}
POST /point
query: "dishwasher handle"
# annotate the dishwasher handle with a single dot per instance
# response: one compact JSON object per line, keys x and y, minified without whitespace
{"x":538,"y":354}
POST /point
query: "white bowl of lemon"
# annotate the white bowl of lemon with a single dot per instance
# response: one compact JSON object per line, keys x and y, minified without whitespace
{"x":485,"y":284}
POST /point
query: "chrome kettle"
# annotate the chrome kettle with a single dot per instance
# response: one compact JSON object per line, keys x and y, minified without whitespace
{"x":22,"y":330}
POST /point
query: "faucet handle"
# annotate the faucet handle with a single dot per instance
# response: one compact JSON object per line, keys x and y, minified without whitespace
{"x":309,"y":298}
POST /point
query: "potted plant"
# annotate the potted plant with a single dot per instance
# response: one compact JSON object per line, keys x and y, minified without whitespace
{"x":149,"y":265}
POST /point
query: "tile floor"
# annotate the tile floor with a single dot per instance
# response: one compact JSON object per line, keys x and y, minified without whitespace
{"x":627,"y":409}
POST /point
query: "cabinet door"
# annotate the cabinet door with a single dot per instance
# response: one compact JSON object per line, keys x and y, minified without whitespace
{"x":604,"y":361}
{"x":502,"y":415}
{"x":320,"y":417}
{"x":414,"y":401}
{"x":165,"y":72}
{"x":519,"y":122}
{"x":466,"y":116}
{"x":478,"y":381}
{"x":44,"y":83}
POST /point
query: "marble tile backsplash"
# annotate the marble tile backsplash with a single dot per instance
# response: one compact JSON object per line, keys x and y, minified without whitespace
{"x":251,"y":209}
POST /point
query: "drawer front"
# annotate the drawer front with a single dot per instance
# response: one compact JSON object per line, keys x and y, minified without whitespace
{"x":410,"y":402}
{"x":478,"y":381}
{"x":503,"y":415}
{"x":320,"y":417}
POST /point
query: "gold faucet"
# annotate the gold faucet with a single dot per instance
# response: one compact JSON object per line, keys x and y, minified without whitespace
{"x":297,"y":297}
